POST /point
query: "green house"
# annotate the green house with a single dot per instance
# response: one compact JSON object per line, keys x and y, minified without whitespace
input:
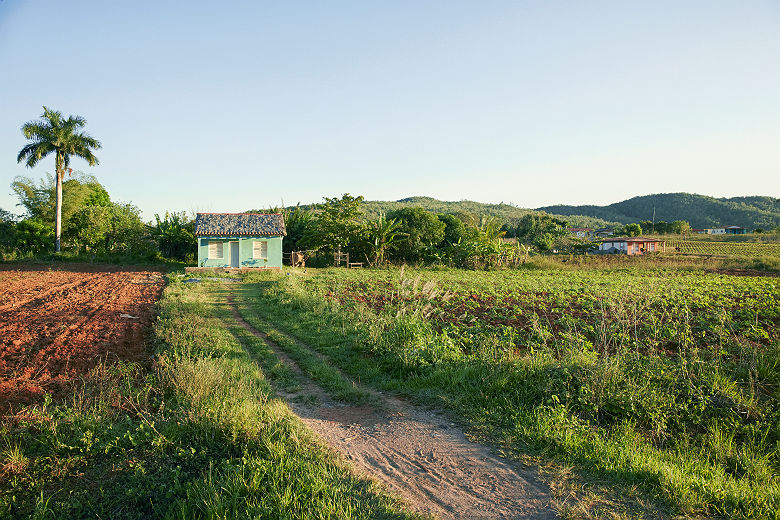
{"x":240,"y":240}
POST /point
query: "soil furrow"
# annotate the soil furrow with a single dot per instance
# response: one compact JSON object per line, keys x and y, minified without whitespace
{"x":39,"y":295}
{"x":55,"y":335}
{"x":419,"y":454}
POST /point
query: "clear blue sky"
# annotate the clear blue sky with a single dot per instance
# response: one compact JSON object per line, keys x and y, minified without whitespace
{"x":220,"y":106}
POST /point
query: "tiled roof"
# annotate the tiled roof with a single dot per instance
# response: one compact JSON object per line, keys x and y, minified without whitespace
{"x":631,"y":239}
{"x":245,"y":224}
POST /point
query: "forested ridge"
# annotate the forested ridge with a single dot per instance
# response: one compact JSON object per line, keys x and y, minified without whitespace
{"x":700,"y":211}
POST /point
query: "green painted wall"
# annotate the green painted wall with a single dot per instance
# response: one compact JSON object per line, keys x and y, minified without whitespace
{"x":245,"y":248}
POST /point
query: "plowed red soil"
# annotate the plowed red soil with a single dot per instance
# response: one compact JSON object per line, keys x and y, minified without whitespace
{"x":57,"y":323}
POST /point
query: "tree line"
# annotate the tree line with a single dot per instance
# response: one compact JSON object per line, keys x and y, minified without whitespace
{"x":92,"y":223}
{"x":86,"y":221}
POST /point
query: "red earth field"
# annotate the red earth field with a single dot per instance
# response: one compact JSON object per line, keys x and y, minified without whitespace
{"x":58,"y":322}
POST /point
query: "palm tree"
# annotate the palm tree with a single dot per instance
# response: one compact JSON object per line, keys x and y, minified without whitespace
{"x":54,"y":134}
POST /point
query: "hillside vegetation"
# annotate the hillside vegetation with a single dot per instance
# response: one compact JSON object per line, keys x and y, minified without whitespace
{"x":700,"y":211}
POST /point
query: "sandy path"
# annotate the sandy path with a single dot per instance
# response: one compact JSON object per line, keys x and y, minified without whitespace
{"x":419,"y":454}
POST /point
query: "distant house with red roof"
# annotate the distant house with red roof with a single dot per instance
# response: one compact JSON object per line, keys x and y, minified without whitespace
{"x":631,"y":246}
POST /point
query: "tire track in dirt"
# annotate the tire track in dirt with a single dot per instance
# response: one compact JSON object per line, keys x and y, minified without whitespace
{"x":418,"y":453}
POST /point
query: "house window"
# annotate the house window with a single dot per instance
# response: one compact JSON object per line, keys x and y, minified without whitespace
{"x":216,"y":250}
{"x":260,"y":249}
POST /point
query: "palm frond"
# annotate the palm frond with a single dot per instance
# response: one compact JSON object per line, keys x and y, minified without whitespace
{"x":73,"y":123}
{"x":52,"y":133}
{"x":37,"y":130}
{"x":34,"y":152}
{"x":54,"y":117}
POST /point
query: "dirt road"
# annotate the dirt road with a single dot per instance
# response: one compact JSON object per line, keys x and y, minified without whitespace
{"x":418,"y":453}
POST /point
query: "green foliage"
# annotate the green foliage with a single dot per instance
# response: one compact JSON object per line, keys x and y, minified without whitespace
{"x":678,"y":227}
{"x":699,"y":210}
{"x":34,"y":236}
{"x":541,"y":230}
{"x":39,"y":198}
{"x":337,"y":225}
{"x":454,"y":229}
{"x":422,"y":231}
{"x":506,"y":213}
{"x":296,"y":221}
{"x":109,"y":228}
{"x":175,"y":236}
{"x":7,"y":229}
{"x":381,"y":234}
{"x":91,"y":221}
{"x":630,"y":230}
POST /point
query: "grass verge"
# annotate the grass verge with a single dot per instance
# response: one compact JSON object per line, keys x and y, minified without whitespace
{"x":199,"y":436}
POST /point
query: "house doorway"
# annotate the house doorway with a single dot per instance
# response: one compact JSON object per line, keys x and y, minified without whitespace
{"x":234,"y":254}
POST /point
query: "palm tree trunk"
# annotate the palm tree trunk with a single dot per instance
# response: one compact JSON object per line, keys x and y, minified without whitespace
{"x":58,"y":219}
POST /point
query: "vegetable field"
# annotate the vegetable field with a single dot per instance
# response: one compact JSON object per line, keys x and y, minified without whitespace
{"x":707,"y":247}
{"x":660,"y":380}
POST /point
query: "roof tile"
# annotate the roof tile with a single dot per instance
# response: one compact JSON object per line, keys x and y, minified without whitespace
{"x":231,"y":224}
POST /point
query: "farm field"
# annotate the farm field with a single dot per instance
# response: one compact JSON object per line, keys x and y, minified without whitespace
{"x":58,"y":324}
{"x":724,"y":248}
{"x":625,"y":389}
{"x":662,"y":383}
{"x":107,"y":431}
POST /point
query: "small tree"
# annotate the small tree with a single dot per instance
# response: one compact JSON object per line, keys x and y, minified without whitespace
{"x":7,"y":229}
{"x":454,"y":229}
{"x":541,"y":230}
{"x":633,"y":230}
{"x":174,"y":236}
{"x":338,"y":224}
{"x":681,"y":227}
{"x":33,"y":236}
{"x":422,"y":231}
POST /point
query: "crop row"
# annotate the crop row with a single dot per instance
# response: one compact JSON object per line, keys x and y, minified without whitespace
{"x":749,"y":249}
{"x":657,"y":312}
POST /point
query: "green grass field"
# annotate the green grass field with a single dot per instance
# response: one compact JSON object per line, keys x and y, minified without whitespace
{"x":658,"y":380}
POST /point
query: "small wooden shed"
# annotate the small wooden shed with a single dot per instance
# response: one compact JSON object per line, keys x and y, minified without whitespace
{"x":240,"y":240}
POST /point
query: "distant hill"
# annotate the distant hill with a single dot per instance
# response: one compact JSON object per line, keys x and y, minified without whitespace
{"x":700,"y":210}
{"x":505,"y":212}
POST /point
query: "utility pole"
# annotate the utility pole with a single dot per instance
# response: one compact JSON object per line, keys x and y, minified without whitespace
{"x":654,"y":220}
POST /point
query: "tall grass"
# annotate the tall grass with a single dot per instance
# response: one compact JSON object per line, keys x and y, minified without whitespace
{"x":698,"y":430}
